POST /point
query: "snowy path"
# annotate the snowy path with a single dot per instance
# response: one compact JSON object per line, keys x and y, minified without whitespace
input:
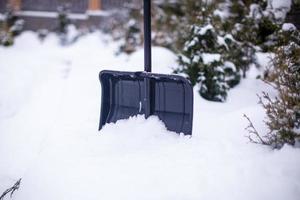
{"x":49,"y":112}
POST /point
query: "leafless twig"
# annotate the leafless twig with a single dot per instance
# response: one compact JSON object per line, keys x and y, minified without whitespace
{"x":11,"y":190}
{"x":252,"y":131}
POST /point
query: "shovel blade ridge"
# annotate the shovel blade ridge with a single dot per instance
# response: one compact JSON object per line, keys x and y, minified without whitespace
{"x":170,"y":98}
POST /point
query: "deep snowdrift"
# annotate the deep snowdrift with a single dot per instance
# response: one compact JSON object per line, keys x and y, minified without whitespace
{"x":49,"y":112}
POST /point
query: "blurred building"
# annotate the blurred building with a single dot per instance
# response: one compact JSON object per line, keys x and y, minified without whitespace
{"x":39,"y":14}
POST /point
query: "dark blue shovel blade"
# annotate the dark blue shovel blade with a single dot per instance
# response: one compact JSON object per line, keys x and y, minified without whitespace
{"x":170,"y":98}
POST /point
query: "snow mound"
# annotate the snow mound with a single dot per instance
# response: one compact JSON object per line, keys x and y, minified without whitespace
{"x":288,"y":27}
{"x":49,"y":113}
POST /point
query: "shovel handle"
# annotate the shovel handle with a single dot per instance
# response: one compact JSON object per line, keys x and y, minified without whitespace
{"x":147,"y":35}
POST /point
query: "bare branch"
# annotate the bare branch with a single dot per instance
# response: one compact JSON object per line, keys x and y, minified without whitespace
{"x":11,"y":190}
{"x":252,"y":131}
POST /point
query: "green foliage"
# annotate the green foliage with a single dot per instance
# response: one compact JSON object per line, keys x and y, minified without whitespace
{"x":266,"y":27}
{"x":174,"y":23}
{"x":10,"y":27}
{"x":283,"y":112}
{"x":132,"y":29}
{"x":245,"y":26}
{"x":282,"y":38}
{"x":66,"y":30}
{"x":229,"y":37}
{"x":170,"y":19}
{"x":205,"y":59}
{"x":63,"y":19}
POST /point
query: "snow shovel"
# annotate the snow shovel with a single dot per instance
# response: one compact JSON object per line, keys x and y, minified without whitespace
{"x":126,"y":94}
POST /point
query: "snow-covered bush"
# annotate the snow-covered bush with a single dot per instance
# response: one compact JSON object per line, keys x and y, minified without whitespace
{"x":238,"y":29}
{"x":204,"y":60}
{"x":243,"y":27}
{"x":219,"y":29}
{"x":283,"y":112}
{"x":251,"y":24}
{"x":168,"y":26}
{"x":42,"y":34}
{"x":132,"y":29}
{"x":10,"y":26}
{"x":170,"y":19}
{"x":63,"y":19}
{"x":282,"y":37}
{"x":65,"y":29}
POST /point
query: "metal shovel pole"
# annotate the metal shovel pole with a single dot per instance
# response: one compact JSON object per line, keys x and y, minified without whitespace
{"x":147,"y":56}
{"x":147,"y":35}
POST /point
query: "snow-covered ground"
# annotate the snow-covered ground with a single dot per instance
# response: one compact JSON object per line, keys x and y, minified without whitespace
{"x":49,"y":113}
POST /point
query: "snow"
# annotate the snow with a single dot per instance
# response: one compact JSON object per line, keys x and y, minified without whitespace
{"x":49,"y":113}
{"x":221,"y":42}
{"x":264,"y":61}
{"x":222,"y":11}
{"x":101,"y":13}
{"x":203,"y":30}
{"x":279,"y":7}
{"x":277,"y":4}
{"x":230,"y":65}
{"x":46,"y":14}
{"x":255,"y":11}
{"x":210,"y":57}
{"x":2,"y":17}
{"x":288,"y":27}
{"x":192,"y":43}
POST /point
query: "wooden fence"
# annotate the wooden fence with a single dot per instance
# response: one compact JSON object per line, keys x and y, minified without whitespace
{"x":113,"y":4}
{"x":76,"y":6}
